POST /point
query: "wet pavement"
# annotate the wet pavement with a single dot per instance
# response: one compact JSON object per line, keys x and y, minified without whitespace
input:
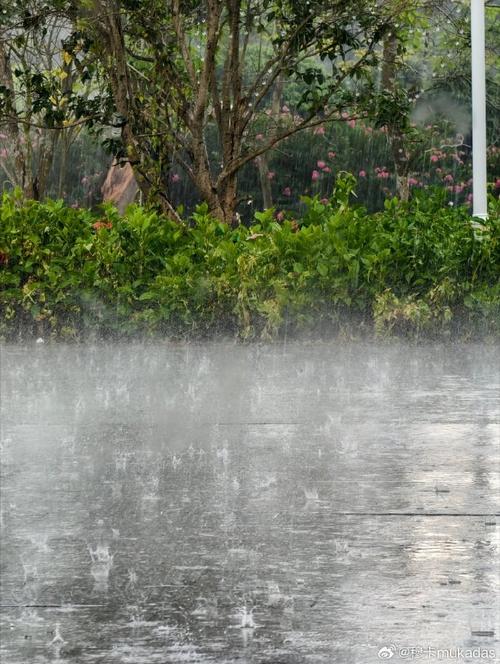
{"x":301,"y":503}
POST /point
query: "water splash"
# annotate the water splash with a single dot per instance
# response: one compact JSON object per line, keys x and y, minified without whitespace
{"x":102,"y":562}
{"x":246,"y":618}
{"x":41,"y":542}
{"x":311,"y":495}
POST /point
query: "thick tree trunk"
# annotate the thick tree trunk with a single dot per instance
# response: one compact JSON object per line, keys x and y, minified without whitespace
{"x":228,"y":199}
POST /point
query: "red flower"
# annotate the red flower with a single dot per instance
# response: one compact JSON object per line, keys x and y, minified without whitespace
{"x":102,"y":223}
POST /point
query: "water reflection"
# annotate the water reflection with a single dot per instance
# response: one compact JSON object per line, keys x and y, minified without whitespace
{"x":307,"y":503}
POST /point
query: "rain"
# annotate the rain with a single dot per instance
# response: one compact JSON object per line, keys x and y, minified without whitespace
{"x":267,"y":503}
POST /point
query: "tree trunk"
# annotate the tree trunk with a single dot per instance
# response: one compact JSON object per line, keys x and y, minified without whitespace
{"x":11,"y":125}
{"x":399,"y":148}
{"x":228,"y":200}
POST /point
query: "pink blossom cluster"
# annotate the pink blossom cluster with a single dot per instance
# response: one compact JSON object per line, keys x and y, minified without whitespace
{"x":437,"y":155}
{"x":323,"y":166}
{"x":382,"y":172}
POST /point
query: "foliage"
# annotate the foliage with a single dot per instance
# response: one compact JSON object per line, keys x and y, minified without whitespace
{"x":163,"y":75}
{"x":419,"y":268}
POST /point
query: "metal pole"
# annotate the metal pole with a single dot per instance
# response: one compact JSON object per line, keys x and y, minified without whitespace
{"x":479,"y":173}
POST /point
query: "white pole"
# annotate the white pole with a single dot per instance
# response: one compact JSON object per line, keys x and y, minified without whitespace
{"x":479,"y":174}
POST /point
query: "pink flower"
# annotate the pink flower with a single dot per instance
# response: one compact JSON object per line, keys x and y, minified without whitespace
{"x":287,"y":191}
{"x":332,"y":155}
{"x":470,"y":198}
{"x":175,"y":177}
{"x":325,"y":201}
{"x":382,"y":173}
{"x":326,"y":169}
{"x":412,"y":182}
{"x":321,"y":164}
{"x":352,"y":123}
{"x":315,"y":176}
{"x":458,"y":188}
{"x":285,"y":109}
{"x":497,"y":183}
{"x":448,"y":178}
{"x":439,"y":170}
{"x":319,"y":131}
{"x":434,"y":158}
{"x":280,"y":216}
{"x":362,"y":174}
{"x":270,"y":175}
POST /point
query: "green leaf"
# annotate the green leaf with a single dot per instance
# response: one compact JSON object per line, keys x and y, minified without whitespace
{"x":148,"y":295}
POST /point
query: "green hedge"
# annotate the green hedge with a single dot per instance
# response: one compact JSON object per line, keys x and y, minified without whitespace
{"x":416,"y":269}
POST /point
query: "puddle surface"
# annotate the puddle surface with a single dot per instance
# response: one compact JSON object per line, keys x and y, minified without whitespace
{"x":320,"y":503}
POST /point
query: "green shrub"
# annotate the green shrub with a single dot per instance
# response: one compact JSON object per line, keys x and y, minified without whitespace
{"x":417,"y":269}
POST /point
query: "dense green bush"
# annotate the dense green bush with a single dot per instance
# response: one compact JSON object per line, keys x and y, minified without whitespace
{"x":417,"y":269}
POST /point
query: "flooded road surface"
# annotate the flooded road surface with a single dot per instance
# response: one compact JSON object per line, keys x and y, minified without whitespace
{"x":313,"y":503}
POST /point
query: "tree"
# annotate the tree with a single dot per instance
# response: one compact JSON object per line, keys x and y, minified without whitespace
{"x":36,"y":84}
{"x":426,"y":57}
{"x":177,"y":69}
